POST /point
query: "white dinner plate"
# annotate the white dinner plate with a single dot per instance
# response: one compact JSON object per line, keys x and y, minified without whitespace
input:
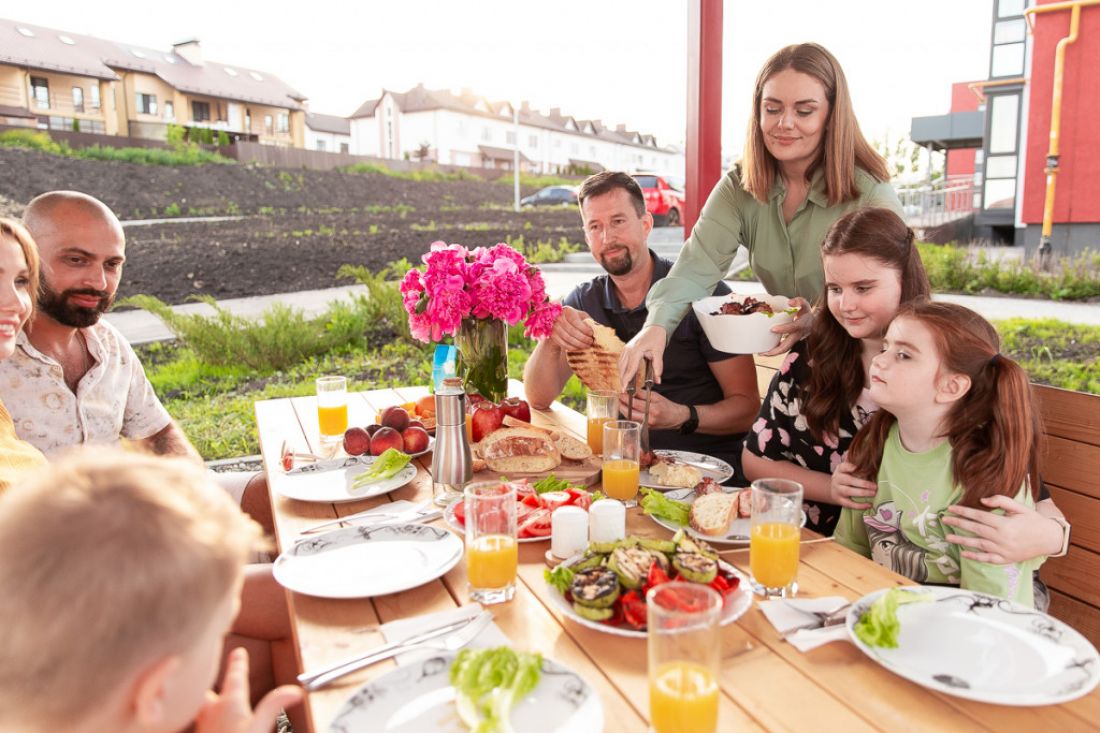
{"x":360,"y":562}
{"x":719,"y":470}
{"x":985,"y":648}
{"x":737,"y":534}
{"x":335,"y":486}
{"x":735,"y":606}
{"x":453,"y":523}
{"x":418,"y":698}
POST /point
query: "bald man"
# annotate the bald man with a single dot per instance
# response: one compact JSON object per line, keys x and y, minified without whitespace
{"x":73,"y":378}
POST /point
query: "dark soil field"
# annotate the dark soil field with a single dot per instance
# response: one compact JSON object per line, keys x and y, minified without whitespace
{"x":297,"y":227}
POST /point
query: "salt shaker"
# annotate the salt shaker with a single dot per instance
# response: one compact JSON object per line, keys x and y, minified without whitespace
{"x":452,"y":464}
{"x":606,"y":521}
{"x":568,"y":531}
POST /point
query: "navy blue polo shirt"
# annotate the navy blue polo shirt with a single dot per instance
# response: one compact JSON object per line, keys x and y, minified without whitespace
{"x":687,"y":378}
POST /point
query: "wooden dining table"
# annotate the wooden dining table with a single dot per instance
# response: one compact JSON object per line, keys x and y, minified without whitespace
{"x":766,"y":684}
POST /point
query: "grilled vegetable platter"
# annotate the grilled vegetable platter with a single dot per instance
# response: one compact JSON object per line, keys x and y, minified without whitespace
{"x":605,"y":586}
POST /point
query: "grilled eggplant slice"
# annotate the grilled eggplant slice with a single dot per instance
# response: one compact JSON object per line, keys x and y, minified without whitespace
{"x":687,"y":544}
{"x":632,"y":564}
{"x":595,"y":588}
{"x":666,"y":547}
{"x":695,"y":567}
{"x":593,"y":614}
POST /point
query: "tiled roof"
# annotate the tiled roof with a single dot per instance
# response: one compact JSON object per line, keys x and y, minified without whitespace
{"x":494,"y":153}
{"x":9,"y":111}
{"x":46,"y":48}
{"x":328,"y":123}
{"x":421,"y":99}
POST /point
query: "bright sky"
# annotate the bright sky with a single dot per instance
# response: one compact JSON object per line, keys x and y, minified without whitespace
{"x":622,"y":61}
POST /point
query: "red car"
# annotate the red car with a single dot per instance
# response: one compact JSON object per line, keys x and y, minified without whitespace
{"x":665,"y":202}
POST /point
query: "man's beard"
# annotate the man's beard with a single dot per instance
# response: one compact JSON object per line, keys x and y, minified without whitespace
{"x":621,"y":265}
{"x":56,"y":306}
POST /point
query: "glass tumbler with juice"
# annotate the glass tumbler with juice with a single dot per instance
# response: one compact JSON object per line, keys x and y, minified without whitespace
{"x":492,"y":553}
{"x":602,"y":407}
{"x":774,"y":536}
{"x":332,"y":408}
{"x":621,"y":455}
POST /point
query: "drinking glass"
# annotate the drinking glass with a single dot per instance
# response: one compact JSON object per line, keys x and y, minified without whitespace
{"x":621,"y":452}
{"x":774,"y":537}
{"x":602,"y":408}
{"x":492,"y":554}
{"x":685,"y":649}
{"x":332,"y":408}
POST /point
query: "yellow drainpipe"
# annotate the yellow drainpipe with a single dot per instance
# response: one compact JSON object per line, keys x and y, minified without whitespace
{"x":1074,"y":6}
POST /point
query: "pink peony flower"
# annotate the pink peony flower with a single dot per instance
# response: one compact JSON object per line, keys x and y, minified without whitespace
{"x":540,"y":324}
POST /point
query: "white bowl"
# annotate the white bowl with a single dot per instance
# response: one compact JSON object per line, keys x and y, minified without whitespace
{"x":749,"y":334}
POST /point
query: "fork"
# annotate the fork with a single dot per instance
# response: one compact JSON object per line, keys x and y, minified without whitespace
{"x":824,"y":620}
{"x":416,"y":512}
{"x":448,"y":643}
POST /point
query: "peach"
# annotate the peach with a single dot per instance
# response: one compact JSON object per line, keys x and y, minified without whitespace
{"x":395,"y":417}
{"x":356,"y":441}
{"x":386,"y":438}
{"x":416,"y":440}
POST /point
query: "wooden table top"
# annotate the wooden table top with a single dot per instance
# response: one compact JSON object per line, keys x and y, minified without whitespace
{"x":767,"y":684}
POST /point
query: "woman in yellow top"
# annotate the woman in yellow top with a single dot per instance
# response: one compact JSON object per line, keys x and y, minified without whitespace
{"x":18,"y":286}
{"x":805,"y":165}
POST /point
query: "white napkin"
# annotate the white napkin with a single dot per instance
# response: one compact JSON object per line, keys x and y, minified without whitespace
{"x":402,"y":629}
{"x":786,"y":614}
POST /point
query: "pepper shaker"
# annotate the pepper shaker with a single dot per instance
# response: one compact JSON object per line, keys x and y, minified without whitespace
{"x":452,"y":463}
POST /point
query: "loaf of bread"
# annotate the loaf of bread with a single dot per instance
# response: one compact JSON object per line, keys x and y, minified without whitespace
{"x":571,"y":448}
{"x":711,"y":514}
{"x":519,"y":450}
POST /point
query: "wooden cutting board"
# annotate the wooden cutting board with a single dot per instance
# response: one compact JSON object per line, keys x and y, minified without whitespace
{"x":580,"y":473}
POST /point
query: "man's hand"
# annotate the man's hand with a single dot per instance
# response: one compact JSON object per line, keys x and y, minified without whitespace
{"x":847,"y":490}
{"x":571,"y":333}
{"x":650,"y":341}
{"x":663,"y":413}
{"x":793,"y":332}
{"x":230,"y":711}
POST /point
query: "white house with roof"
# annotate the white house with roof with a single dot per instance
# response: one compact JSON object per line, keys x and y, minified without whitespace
{"x":469,"y":130}
{"x":328,"y":133}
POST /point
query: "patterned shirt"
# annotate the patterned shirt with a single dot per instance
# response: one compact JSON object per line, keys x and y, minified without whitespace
{"x":781,"y":433}
{"x":113,"y":400}
{"x":902,"y":530}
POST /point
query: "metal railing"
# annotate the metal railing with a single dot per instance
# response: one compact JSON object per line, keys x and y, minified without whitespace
{"x":930,"y":205}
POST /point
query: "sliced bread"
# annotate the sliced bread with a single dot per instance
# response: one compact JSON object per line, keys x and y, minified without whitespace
{"x":519,"y":450}
{"x":712,"y":514}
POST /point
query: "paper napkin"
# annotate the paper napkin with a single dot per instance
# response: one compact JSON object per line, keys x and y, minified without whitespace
{"x":402,"y":629}
{"x":788,"y":614}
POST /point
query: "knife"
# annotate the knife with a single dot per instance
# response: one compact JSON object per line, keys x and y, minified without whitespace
{"x":331,"y":464}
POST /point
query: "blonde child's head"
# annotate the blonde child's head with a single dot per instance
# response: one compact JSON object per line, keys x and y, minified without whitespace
{"x":120,"y":574}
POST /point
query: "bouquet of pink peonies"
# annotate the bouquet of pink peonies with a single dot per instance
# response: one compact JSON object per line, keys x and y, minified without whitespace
{"x":491,"y":283}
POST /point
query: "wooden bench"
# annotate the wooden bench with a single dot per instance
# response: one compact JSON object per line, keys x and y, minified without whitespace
{"x":1071,"y":470}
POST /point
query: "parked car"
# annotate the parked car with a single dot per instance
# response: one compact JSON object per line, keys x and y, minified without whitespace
{"x":551,"y":196}
{"x":662,"y":199}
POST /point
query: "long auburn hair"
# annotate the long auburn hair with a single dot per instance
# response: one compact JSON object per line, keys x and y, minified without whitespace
{"x":837,"y":376}
{"x":994,"y":429}
{"x":844,"y":148}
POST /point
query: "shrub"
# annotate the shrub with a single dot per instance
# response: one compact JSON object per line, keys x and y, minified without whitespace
{"x":972,"y":270}
{"x":543,"y":251}
{"x":38,"y":140}
{"x":381,"y":305}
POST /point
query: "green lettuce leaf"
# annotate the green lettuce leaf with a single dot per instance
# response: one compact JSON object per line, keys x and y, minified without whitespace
{"x":489,"y":682}
{"x":656,"y":504}
{"x":560,"y":578}
{"x":879,"y":625}
{"x":385,"y":466}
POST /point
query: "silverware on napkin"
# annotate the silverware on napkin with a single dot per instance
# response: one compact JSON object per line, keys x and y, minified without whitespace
{"x":449,"y":637}
{"x":822,"y":620}
{"x":415,"y":513}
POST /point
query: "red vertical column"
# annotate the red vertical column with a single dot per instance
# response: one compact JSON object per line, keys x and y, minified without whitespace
{"x":704,"y":104}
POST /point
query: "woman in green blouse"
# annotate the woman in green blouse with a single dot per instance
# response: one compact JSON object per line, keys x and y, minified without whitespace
{"x":805,"y":165}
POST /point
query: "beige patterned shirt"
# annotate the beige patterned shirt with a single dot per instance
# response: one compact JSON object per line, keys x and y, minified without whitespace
{"x":113,"y":400}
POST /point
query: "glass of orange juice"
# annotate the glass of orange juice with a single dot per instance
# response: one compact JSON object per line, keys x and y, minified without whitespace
{"x":492,"y":554}
{"x":602,"y":407}
{"x":685,"y":649}
{"x":621,"y":452}
{"x":332,"y":408}
{"x":774,"y":537}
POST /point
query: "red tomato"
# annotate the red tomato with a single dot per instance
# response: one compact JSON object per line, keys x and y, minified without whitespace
{"x":553,"y":499}
{"x":460,"y":512}
{"x":534,"y":524}
{"x":657,"y":576}
{"x":583,"y":499}
{"x":531,"y":500}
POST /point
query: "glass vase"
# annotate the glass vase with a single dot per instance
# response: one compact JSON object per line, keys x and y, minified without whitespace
{"x":482,"y":359}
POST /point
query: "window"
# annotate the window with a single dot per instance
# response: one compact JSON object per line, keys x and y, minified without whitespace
{"x":321,"y":145}
{"x":200,"y":111}
{"x":256,"y":76}
{"x":269,"y":125}
{"x":78,"y":99}
{"x":146,"y":103}
{"x":1007,"y":8}
{"x":40,"y":90}
{"x":25,"y":32}
{"x":1007,"y":58}
{"x":284,"y":122}
{"x":510,"y":138}
{"x":343,"y":147}
{"x":230,"y":70}
{"x":486,"y":135}
{"x":169,"y":110}
{"x":66,"y":40}
{"x":533,"y":141}
{"x":93,"y":98}
{"x":999,"y":160}
{"x":1003,"y":122}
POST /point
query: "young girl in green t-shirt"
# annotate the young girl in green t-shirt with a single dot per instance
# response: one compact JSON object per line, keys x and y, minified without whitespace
{"x":956,"y":424}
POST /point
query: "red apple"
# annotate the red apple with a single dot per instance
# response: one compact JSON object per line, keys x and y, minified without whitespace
{"x":386,"y":438}
{"x":395,"y":417}
{"x":472,"y":401}
{"x":517,"y":408}
{"x":356,"y":441}
{"x":416,"y":440}
{"x":486,"y":418}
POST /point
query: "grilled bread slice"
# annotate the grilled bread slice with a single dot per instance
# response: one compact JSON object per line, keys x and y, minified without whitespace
{"x":712,"y":514}
{"x":598,"y":367}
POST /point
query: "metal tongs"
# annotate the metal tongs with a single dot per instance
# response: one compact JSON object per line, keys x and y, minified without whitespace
{"x":631,"y":389}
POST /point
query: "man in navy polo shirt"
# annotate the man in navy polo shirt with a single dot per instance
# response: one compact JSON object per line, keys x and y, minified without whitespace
{"x":707,"y":399}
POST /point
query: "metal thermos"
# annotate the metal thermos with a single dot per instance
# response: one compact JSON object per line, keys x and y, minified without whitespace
{"x":452,"y":464}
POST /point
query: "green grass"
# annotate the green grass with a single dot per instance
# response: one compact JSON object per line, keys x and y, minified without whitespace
{"x":1054,"y":352}
{"x":41,"y":141}
{"x":425,"y":174}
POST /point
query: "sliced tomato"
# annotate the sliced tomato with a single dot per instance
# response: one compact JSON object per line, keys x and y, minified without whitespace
{"x":580,"y":497}
{"x":535,"y":523}
{"x":553,"y":499}
{"x":656,"y":576}
{"x":460,"y":512}
{"x":531,"y":500}
{"x":634,"y":609}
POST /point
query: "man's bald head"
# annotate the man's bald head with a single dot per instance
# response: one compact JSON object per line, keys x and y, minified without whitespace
{"x":82,"y":248}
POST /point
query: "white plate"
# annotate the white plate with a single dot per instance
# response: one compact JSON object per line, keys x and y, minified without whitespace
{"x":360,"y":562}
{"x":985,"y":648}
{"x":334,"y":487}
{"x":453,"y":523}
{"x":719,"y":473}
{"x":737,"y":534}
{"x":418,"y":698}
{"x":736,"y":604}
